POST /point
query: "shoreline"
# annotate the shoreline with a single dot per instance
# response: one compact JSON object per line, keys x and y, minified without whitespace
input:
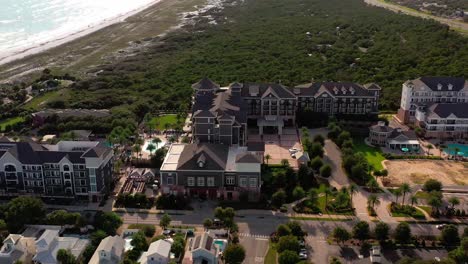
{"x":36,"y":48}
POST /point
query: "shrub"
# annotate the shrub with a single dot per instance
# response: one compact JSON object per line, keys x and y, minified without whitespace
{"x":432,"y":185}
{"x":325,"y":171}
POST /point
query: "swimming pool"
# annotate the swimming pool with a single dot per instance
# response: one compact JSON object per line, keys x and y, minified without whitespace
{"x":452,"y":149}
{"x":221,"y":244}
{"x":150,"y":141}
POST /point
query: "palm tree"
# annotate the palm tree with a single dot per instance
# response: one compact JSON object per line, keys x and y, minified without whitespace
{"x":372,"y":185}
{"x":373,"y":200}
{"x":137,"y":149}
{"x":267,"y":157}
{"x":397,"y":193}
{"x":435,"y":203}
{"x":156,"y":141}
{"x":454,"y":201}
{"x":352,"y":190}
{"x":429,"y":147}
{"x":414,"y":200}
{"x":405,"y":188}
{"x":151,"y":148}
{"x":328,"y":192}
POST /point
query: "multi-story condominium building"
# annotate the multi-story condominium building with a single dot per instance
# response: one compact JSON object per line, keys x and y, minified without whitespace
{"x":69,"y":169}
{"x":436,"y":104}
{"x":444,"y":120}
{"x":211,"y":170}
{"x":220,"y":115}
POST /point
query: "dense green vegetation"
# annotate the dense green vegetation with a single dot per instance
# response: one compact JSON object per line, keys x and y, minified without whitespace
{"x":266,"y":41}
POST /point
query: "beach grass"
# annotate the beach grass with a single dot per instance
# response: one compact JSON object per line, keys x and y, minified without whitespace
{"x":10,"y":121}
{"x":373,"y":155}
{"x":40,"y":101}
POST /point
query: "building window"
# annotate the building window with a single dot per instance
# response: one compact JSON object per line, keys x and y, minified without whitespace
{"x":243,"y":182}
{"x":191,"y":181}
{"x":230,"y":180}
{"x":66,"y":168}
{"x":253,"y":182}
{"x":201,"y":181}
{"x":210,"y":181}
{"x":170,"y":180}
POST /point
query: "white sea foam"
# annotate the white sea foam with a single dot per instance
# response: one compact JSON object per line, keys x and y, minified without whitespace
{"x":28,"y":23}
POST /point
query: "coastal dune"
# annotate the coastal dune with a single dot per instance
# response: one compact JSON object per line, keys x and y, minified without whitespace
{"x":110,"y":40}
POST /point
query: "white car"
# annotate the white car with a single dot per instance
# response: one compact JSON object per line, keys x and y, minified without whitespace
{"x":293,"y":150}
{"x":303,"y":254}
{"x":375,"y":256}
{"x":440,"y":227}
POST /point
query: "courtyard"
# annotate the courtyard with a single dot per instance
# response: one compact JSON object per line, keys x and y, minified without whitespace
{"x":418,"y":171}
{"x":277,"y":146}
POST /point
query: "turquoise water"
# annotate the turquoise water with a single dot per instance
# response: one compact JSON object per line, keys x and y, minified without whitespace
{"x":461,"y":148}
{"x":25,"y":23}
{"x":220,"y":243}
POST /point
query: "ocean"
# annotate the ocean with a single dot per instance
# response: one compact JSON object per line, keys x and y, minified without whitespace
{"x":29,"y":23}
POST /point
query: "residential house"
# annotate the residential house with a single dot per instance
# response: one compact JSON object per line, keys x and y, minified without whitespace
{"x":202,"y":250}
{"x":68,"y":169}
{"x":50,"y":242}
{"x":159,"y":252}
{"x":17,"y":248}
{"x":211,"y":170}
{"x":109,"y":251}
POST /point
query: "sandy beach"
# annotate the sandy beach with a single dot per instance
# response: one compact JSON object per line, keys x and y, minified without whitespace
{"x":105,"y":42}
{"x":10,"y":56}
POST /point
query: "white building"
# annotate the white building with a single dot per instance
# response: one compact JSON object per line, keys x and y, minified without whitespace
{"x":202,"y":250}
{"x":425,"y":91}
{"x":109,"y":251}
{"x":159,"y":252}
{"x":17,"y":248}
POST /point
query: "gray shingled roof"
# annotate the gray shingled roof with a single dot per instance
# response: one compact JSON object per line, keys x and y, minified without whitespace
{"x":205,"y":84}
{"x":335,"y":89}
{"x":460,"y":110}
{"x":247,"y":158}
{"x":280,"y":90}
{"x":215,"y":156}
{"x":433,"y":83}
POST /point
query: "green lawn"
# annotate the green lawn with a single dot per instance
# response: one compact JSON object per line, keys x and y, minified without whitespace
{"x":373,"y":155}
{"x":271,"y":255}
{"x":426,"y":208}
{"x":40,"y":101}
{"x":416,"y":214}
{"x":10,"y":121}
{"x":166,"y":122}
{"x":422,"y":195}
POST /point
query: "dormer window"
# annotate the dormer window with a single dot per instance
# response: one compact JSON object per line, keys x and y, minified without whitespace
{"x":450,"y":86}
{"x":439,"y":86}
{"x":201,"y":161}
{"x":335,"y":90}
{"x":343,"y":90}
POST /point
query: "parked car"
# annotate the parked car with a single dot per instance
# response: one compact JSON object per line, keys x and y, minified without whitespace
{"x":168,"y":232}
{"x":303,"y":255}
{"x":440,"y":227}
{"x":302,"y":243}
{"x":375,"y":256}
{"x":293,"y":150}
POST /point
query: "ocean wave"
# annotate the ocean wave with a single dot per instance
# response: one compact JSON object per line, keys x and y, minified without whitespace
{"x":4,"y":22}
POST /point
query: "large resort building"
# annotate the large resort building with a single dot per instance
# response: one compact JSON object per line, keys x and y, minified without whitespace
{"x":220,"y":162}
{"x":221,"y":115}
{"x":438,"y":105}
{"x":69,"y":169}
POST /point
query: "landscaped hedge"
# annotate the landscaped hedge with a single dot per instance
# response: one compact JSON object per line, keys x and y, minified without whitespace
{"x":403,"y":157}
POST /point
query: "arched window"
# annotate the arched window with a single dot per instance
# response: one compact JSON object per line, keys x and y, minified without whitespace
{"x":66,"y":176}
{"x":10,"y":168}
{"x":66,"y":168}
